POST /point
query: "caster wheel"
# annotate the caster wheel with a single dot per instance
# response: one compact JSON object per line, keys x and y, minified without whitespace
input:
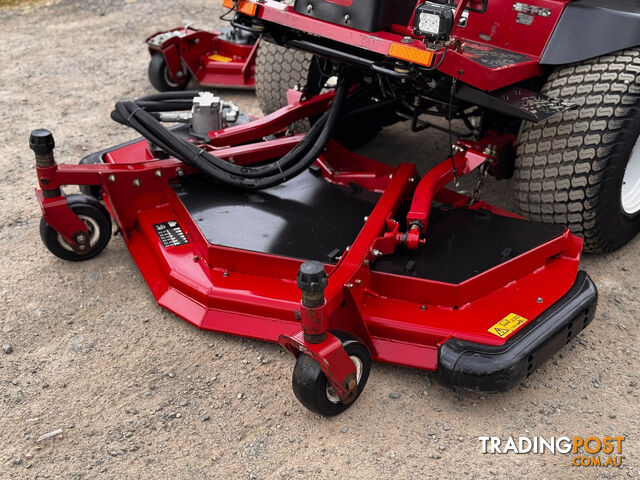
{"x":161,"y":79}
{"x":97,"y":220}
{"x":311,"y":387}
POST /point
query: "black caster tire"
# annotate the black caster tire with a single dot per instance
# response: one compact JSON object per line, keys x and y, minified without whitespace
{"x":160,"y":78}
{"x":98,"y":221}
{"x":310,"y":385}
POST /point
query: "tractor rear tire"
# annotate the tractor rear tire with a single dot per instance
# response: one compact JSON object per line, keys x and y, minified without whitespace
{"x":582,"y":168}
{"x":279,"y":69}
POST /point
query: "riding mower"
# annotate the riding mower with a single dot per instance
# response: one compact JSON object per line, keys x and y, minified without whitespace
{"x":272,"y":229}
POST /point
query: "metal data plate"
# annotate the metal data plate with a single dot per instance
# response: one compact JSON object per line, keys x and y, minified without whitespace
{"x":170,"y":234}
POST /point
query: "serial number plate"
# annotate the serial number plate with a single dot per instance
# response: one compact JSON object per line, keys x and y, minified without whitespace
{"x":170,"y":234}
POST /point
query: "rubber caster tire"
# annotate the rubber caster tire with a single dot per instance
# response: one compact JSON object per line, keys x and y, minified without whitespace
{"x":160,"y":78}
{"x":311,"y":387}
{"x":97,"y":219}
{"x":582,"y":168}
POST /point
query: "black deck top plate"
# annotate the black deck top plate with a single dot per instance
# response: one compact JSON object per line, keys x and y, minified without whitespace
{"x":463,"y":243}
{"x":311,"y":219}
{"x":306,"y":217}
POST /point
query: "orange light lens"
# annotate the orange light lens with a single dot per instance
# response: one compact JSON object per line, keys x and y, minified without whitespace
{"x":247,"y":8}
{"x":411,"y":54}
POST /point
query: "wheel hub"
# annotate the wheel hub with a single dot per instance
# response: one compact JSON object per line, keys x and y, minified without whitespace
{"x":93,"y":234}
{"x":630,"y":193}
{"x":332,"y":396}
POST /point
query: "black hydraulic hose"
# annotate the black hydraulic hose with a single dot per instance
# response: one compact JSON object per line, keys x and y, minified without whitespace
{"x":151,"y":129}
{"x":301,"y":157}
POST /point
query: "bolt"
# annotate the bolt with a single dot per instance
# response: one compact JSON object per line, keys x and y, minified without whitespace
{"x":366,"y":219}
{"x":112,"y":178}
{"x":539,"y":300}
{"x":158,"y":173}
{"x":225,"y":274}
{"x":347,"y":18}
{"x":309,"y":8}
{"x":180,"y":172}
{"x":349,"y":285}
{"x":376,"y":252}
{"x":80,"y":238}
{"x":407,"y":39}
{"x":366,"y":262}
{"x":358,"y":282}
{"x":136,"y":183}
{"x":423,"y":307}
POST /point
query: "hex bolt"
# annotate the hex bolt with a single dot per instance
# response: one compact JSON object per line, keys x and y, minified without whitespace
{"x":407,"y":39}
{"x":539,"y":300}
{"x":180,"y":172}
{"x":136,"y":183}
{"x":309,"y":8}
{"x":158,"y":173}
{"x":347,"y":18}
{"x":111,"y":178}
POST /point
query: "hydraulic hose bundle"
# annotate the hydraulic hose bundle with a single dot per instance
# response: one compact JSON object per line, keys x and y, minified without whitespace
{"x":138,"y":115}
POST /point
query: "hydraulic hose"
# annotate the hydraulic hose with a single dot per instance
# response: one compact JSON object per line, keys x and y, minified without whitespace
{"x":136,"y":115}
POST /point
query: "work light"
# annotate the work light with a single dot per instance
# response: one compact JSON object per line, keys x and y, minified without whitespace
{"x":434,"y":20}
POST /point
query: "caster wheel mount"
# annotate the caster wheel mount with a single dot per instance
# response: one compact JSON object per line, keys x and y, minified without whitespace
{"x":310,"y":384}
{"x":98,"y":221}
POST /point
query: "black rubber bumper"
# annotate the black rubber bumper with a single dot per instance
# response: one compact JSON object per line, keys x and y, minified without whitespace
{"x":491,"y":369}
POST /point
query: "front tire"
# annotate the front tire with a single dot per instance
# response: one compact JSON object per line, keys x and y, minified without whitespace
{"x":582,"y":168}
{"x":310,"y":384}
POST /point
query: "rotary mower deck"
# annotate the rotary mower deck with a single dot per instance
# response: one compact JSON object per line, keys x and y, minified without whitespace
{"x":224,"y":58}
{"x":390,"y":267}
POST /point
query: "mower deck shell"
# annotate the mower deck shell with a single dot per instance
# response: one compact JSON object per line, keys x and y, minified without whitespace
{"x":245,"y":285}
{"x":215,"y":59}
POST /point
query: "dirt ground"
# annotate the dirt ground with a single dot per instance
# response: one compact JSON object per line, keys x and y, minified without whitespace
{"x":138,"y":393}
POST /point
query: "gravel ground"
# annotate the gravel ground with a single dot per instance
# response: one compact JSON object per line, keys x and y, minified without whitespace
{"x":138,"y":393}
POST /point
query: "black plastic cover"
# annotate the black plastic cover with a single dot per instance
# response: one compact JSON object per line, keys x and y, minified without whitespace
{"x":492,"y":369}
{"x":366,"y":15}
{"x":41,"y":141}
{"x":590,"y":28}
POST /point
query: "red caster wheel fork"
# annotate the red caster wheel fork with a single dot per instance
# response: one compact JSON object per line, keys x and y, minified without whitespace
{"x":344,"y":375}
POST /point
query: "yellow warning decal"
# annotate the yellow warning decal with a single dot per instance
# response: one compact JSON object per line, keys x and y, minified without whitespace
{"x":219,"y":58}
{"x":507,"y":325}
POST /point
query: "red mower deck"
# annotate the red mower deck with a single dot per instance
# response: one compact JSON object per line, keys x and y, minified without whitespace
{"x":409,"y":270}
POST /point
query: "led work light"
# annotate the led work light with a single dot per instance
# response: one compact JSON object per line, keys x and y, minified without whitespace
{"x":434,"y":20}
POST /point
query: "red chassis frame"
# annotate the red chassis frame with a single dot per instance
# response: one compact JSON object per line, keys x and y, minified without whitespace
{"x":400,"y":319}
{"x":212,"y":60}
{"x":493,"y":34}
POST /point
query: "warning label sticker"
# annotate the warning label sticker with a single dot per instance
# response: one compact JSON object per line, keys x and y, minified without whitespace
{"x":507,"y":325}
